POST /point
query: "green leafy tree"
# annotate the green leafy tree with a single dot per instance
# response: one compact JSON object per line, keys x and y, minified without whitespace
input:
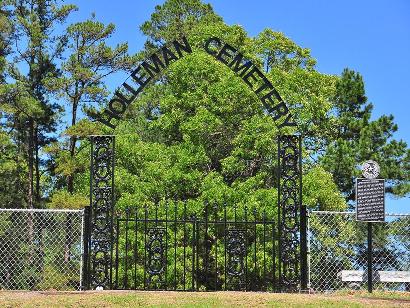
{"x":81,"y":84}
{"x":199,"y":133}
{"x":292,"y":71}
{"x":6,"y":31}
{"x":11,"y":173}
{"x":28,"y":113}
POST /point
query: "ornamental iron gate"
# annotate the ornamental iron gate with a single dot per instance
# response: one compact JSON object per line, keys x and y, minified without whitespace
{"x":164,"y":247}
{"x":256,"y":254}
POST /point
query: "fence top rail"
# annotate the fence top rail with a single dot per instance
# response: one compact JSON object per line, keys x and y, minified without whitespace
{"x":354,"y":213}
{"x":200,"y":221}
{"x":43,"y":210}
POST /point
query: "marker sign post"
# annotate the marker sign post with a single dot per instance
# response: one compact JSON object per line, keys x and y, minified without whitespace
{"x":370,"y":207}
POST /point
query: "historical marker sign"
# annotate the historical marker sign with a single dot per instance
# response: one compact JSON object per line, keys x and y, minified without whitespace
{"x":370,"y":200}
{"x":370,"y":208}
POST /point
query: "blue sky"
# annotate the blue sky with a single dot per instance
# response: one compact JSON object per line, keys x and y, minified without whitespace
{"x":371,"y":37}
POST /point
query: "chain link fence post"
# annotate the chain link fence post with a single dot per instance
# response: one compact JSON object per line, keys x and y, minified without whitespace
{"x":86,"y":248}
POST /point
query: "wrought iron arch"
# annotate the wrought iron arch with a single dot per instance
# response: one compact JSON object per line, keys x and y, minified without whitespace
{"x":291,"y":214}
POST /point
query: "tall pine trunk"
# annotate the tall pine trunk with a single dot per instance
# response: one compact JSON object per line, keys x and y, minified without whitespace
{"x":30,"y":155}
{"x":37,"y":166}
{"x":30,"y":218}
{"x":70,"y":186}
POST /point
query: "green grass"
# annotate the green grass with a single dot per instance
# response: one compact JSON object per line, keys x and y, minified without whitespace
{"x":125,"y":299}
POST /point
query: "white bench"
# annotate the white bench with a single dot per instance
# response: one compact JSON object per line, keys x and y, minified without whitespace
{"x":382,"y":276}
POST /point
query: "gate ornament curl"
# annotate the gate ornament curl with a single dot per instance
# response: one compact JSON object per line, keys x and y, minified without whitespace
{"x":156,"y":262}
{"x":236,"y":250}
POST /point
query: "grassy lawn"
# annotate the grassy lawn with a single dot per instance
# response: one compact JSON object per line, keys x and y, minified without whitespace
{"x":212,"y":299}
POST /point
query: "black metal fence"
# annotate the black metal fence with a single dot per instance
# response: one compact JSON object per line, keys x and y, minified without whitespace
{"x":163,"y":247}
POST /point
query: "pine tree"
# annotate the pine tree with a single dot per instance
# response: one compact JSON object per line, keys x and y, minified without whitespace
{"x":358,"y":138}
{"x":81,"y":84}
{"x":175,"y":19}
{"x":11,"y":162}
{"x":29,"y":112}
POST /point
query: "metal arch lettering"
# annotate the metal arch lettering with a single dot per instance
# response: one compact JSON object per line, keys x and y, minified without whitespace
{"x":154,"y":65}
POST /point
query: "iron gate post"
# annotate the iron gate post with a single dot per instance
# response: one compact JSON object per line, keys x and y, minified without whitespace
{"x":303,"y":229}
{"x":289,"y":212}
{"x":101,"y":212}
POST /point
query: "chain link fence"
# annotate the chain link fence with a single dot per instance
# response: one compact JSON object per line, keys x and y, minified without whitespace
{"x":40,"y":249}
{"x":338,"y":252}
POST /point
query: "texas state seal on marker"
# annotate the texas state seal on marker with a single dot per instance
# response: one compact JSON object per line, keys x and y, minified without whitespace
{"x":370,"y":169}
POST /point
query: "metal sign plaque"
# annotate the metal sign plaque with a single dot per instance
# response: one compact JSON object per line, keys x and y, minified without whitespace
{"x":370,"y":200}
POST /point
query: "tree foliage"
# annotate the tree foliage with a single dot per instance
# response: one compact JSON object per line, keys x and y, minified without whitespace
{"x":11,"y":162}
{"x":202,"y":133}
{"x":175,"y":19}
{"x":81,"y":84}
{"x":197,"y":132}
{"x":28,"y":113}
{"x":357,"y":138}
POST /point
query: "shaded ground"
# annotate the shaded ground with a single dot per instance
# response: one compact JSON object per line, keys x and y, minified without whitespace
{"x":211,"y":299}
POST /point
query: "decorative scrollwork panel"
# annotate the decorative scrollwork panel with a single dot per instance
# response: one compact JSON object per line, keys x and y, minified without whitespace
{"x":236,"y":254}
{"x":156,"y":257}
